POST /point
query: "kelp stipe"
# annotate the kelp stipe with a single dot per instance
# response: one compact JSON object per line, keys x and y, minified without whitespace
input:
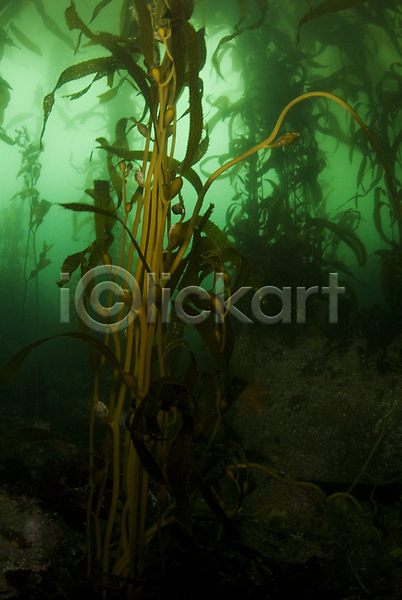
{"x":158,"y":444}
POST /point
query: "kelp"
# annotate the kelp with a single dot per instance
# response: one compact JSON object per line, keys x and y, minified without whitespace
{"x":71,"y":264}
{"x":378,"y":204}
{"x":98,"y":8}
{"x":175,"y":408}
{"x":146,"y":32}
{"x":24,"y":40}
{"x":195,"y":107}
{"x":107,"y":214}
{"x":40,"y":210}
{"x":103,"y":201}
{"x":37,"y":209}
{"x":4,"y":97}
{"x":5,"y":138}
{"x":100,"y":66}
{"x":9,"y":9}
{"x":112,"y":93}
{"x":136,"y":155}
{"x":104,"y":66}
{"x":121,"y":54}
{"x":50,"y":24}
{"x":269,"y":215}
{"x":185,"y":49}
{"x":11,"y":367}
{"x":347,"y":236}
{"x":242,"y":4}
{"x":327,"y":7}
{"x":42,"y":261}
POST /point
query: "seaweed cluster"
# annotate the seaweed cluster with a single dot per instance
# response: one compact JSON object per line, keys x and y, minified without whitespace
{"x":286,"y":217}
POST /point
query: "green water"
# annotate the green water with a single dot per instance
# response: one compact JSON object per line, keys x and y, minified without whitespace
{"x":332,"y":168}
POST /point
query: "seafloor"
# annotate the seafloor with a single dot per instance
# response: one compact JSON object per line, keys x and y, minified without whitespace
{"x":319,"y":423}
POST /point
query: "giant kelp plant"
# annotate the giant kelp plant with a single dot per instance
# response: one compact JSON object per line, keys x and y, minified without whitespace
{"x":155,"y":249}
{"x":285,"y":217}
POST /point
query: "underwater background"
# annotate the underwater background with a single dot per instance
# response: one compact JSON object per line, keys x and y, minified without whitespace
{"x":309,"y":410}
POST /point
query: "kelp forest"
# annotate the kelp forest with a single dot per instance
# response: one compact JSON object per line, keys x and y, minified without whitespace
{"x":201,"y":267}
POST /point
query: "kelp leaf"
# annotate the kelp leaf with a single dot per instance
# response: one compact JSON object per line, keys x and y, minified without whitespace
{"x":75,"y":22}
{"x":81,"y":93}
{"x":145,"y":30}
{"x":377,"y":215}
{"x":206,"y":330}
{"x":362,"y":170}
{"x":5,"y":138}
{"x":348,"y":237}
{"x":10,"y":368}
{"x":191,"y":176}
{"x":242,"y":6}
{"x":40,"y":212}
{"x":263,"y":7}
{"x":214,"y":59}
{"x":81,"y":207}
{"x":24,"y":40}
{"x":71,"y":264}
{"x":148,"y":461}
{"x":121,"y":134}
{"x":195,"y":129}
{"x":121,"y":54}
{"x":201,"y":150}
{"x":4,"y":97}
{"x":9,"y":9}
{"x":180,"y":464}
{"x":329,"y":6}
{"x":102,"y":200}
{"x":129,"y":155}
{"x":115,"y":176}
{"x":110,"y":94}
{"x":26,"y":193}
{"x":52,"y":25}
{"x":189,"y":379}
{"x":202,"y":47}
{"x":98,"y":8}
{"x":177,"y":45}
{"x":94,"y":65}
{"x":217,"y":235}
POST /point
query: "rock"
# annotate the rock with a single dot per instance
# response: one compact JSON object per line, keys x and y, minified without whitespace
{"x":28,"y":538}
{"x":325,"y":409}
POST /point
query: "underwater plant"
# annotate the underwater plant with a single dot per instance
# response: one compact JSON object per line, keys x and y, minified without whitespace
{"x":37,"y":210}
{"x":285,"y":217}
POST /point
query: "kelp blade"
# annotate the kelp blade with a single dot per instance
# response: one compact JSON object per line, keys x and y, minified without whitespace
{"x":10,"y":368}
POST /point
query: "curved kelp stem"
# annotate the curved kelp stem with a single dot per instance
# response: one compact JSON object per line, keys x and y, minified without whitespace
{"x":288,"y":138}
